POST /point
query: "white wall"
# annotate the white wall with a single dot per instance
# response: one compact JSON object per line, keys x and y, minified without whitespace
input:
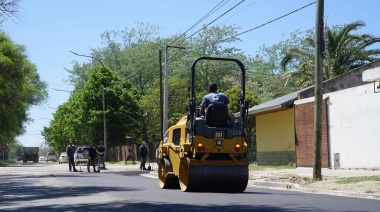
{"x":354,"y":126}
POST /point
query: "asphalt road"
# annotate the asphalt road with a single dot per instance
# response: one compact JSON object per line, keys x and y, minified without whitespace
{"x":50,"y":187}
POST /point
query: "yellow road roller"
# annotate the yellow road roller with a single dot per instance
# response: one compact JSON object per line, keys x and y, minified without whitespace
{"x":206,"y":153}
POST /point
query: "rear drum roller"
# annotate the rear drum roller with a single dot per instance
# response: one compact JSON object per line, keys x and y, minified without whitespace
{"x":184,"y":176}
{"x":166,"y":177}
{"x":230,"y":179}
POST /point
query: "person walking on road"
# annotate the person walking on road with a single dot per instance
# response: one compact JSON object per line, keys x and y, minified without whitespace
{"x":130,"y":154}
{"x":101,"y":150}
{"x":70,"y":149}
{"x":91,"y":158}
{"x":143,"y":152}
{"x":157,"y":152}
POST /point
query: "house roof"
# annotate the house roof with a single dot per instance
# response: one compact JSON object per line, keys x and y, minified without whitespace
{"x":275,"y":104}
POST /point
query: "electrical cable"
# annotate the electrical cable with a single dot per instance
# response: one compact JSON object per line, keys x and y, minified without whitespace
{"x":266,"y":23}
{"x":238,"y":12}
{"x":215,"y":19}
{"x":212,"y":11}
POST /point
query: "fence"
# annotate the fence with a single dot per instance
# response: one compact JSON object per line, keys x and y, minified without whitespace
{"x":119,"y":153}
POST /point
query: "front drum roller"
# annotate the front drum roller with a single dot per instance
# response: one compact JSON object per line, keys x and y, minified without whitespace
{"x":166,"y":177}
{"x":230,"y":179}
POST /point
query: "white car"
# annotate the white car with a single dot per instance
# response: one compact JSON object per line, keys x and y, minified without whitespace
{"x":51,"y":156}
{"x":81,"y":155}
{"x":63,"y":158}
{"x":42,"y":158}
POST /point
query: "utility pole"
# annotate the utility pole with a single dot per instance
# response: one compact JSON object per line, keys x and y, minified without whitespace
{"x":166,"y":87}
{"x":166,"y":91}
{"x":319,"y":45}
{"x":161,"y":100}
{"x":104,"y":122}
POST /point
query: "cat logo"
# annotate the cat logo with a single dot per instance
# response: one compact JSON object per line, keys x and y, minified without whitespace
{"x":218,"y":134}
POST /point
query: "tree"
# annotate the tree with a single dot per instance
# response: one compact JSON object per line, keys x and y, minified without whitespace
{"x":133,"y":55}
{"x":81,"y":118}
{"x":344,"y":52}
{"x":20,"y":88}
{"x":9,"y":8}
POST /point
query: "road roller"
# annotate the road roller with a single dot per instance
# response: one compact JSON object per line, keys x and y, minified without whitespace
{"x":206,"y":153}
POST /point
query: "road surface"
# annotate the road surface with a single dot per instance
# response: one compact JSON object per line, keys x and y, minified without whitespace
{"x":50,"y":187}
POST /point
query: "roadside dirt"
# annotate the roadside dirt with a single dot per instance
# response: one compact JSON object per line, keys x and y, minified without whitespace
{"x":368,"y":189}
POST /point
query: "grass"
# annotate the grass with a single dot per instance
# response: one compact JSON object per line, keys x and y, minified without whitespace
{"x":358,"y":179}
{"x":255,"y":167}
{"x":5,"y":162}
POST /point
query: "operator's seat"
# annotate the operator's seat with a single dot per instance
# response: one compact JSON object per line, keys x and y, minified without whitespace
{"x":216,"y":115}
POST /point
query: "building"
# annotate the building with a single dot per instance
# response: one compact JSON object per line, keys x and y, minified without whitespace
{"x":285,"y":126}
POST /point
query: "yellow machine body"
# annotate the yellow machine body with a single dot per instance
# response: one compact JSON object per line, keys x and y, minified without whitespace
{"x":206,"y":153}
{"x":213,"y":160}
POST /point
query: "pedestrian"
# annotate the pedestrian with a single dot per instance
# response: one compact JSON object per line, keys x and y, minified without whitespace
{"x":70,"y":149}
{"x":143,"y":152}
{"x":91,"y":158}
{"x":130,"y":154}
{"x":157,"y":152}
{"x":101,"y":150}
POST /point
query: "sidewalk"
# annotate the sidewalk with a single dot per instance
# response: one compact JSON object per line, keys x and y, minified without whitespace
{"x":298,"y":179}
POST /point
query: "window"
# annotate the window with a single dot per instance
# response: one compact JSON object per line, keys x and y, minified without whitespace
{"x":176,"y":136}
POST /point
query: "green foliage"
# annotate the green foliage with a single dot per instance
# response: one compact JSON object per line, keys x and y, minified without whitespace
{"x":358,"y":179}
{"x":81,"y":118}
{"x":233,"y":95}
{"x":344,"y":52}
{"x":15,"y":148}
{"x":264,"y":71}
{"x":133,"y":54}
{"x":20,"y":88}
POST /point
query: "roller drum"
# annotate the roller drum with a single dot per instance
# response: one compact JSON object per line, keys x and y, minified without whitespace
{"x":218,"y":178}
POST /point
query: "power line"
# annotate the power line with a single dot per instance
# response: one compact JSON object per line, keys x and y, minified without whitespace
{"x":238,"y":12}
{"x":276,"y":19}
{"x":215,"y":20}
{"x":213,"y":10}
{"x":142,"y":75}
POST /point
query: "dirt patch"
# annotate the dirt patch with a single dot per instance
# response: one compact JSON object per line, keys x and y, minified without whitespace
{"x":327,"y":185}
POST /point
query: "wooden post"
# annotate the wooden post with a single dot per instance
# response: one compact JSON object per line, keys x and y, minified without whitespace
{"x":317,"y":168}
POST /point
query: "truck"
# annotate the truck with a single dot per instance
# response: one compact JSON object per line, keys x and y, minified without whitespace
{"x":31,"y":154}
{"x":206,"y":153}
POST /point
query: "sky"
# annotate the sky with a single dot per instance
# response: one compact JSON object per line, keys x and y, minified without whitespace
{"x":51,"y":29}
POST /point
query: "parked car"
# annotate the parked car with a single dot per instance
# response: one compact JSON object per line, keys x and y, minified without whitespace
{"x":20,"y":157}
{"x":42,"y":158}
{"x":63,"y":158}
{"x":81,"y":155}
{"x":51,"y":156}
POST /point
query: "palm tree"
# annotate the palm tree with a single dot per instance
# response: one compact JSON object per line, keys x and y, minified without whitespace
{"x":344,"y":52}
